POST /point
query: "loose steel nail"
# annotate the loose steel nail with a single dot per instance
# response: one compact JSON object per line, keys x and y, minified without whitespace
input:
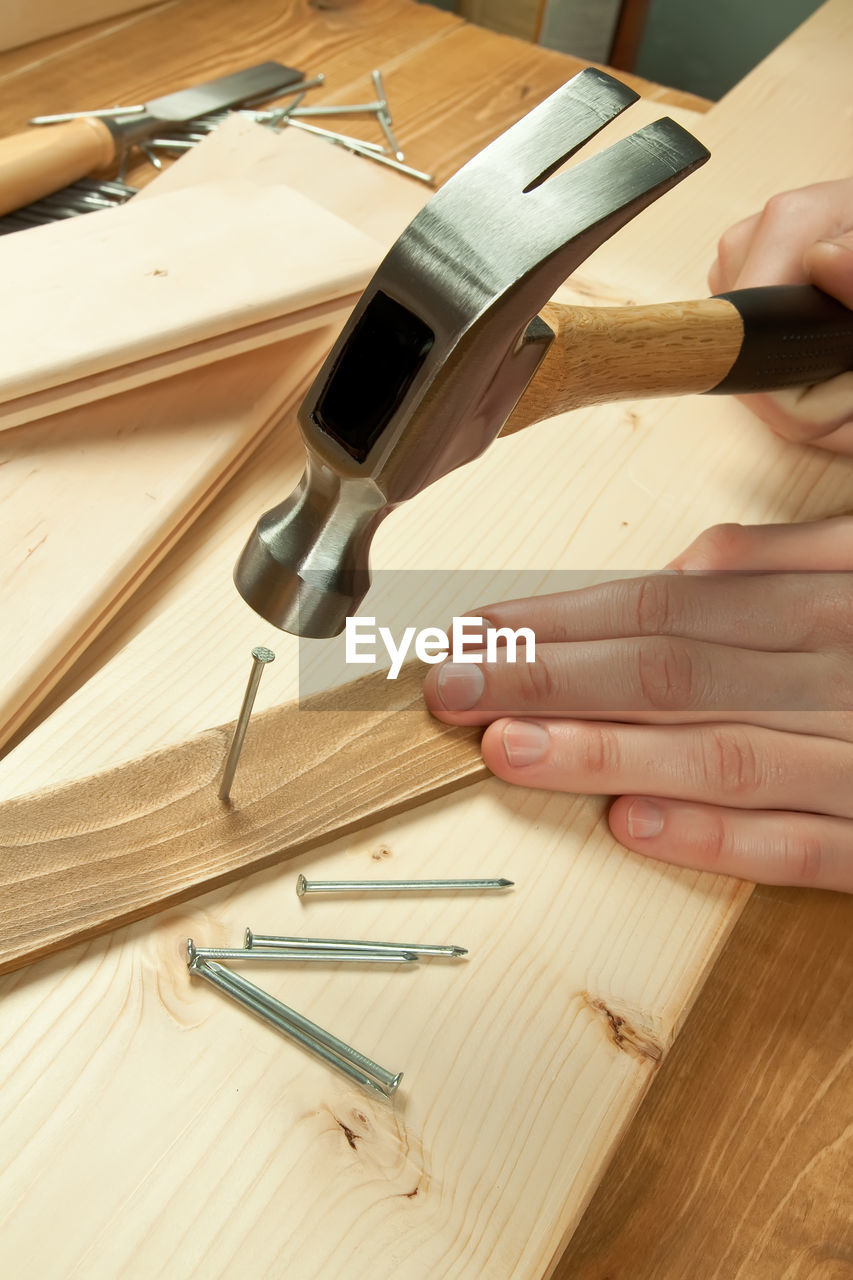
{"x":353,"y":144}
{"x":304,"y":886}
{"x":320,"y":955}
{"x":329,"y":1048}
{"x":381,"y":158}
{"x":105,"y":113}
{"x":348,"y":109}
{"x":260,"y":657}
{"x":276,"y":115}
{"x":257,"y":941}
{"x":384,"y":115}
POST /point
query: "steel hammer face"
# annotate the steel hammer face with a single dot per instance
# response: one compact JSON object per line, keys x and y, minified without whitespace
{"x":446,"y":337}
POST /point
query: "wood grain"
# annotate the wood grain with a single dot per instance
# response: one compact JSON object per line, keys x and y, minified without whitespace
{"x":78,"y":860}
{"x":39,"y":19}
{"x":604,"y":354}
{"x":174,"y":45}
{"x":516,"y":1092}
{"x":748,"y":1126}
{"x":94,"y":497}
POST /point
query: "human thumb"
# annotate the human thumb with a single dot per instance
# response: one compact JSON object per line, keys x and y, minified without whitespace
{"x":829,"y":264}
{"x":821,"y":414}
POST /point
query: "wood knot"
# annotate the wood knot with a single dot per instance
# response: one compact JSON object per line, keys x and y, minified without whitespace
{"x":640,"y":1044}
{"x":350,"y":1134}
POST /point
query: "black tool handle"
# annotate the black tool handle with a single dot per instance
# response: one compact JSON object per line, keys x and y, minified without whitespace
{"x":793,"y":334}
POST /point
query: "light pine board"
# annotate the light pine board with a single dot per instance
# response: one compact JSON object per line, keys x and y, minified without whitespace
{"x":78,"y":860}
{"x":93,"y":498}
{"x":748,"y":1123}
{"x":114,"y":299}
{"x":515,"y":1092}
{"x":148,"y":459}
{"x":377,"y":202}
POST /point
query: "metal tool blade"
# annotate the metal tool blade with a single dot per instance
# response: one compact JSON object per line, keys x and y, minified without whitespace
{"x":261,"y":81}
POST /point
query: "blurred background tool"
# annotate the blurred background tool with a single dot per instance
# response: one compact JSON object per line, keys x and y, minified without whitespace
{"x":41,"y":161}
{"x":86,"y":196}
{"x":177,"y":136}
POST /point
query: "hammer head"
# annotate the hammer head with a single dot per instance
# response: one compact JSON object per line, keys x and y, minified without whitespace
{"x":445,"y":339}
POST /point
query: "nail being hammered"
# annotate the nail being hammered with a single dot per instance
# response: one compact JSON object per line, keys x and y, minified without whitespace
{"x":260,"y":657}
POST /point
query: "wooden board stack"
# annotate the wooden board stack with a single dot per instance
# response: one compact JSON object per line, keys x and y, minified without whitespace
{"x":152,"y":347}
{"x":523,"y":1071}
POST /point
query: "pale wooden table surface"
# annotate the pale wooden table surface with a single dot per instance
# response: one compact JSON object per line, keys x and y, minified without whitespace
{"x":736,"y":1165}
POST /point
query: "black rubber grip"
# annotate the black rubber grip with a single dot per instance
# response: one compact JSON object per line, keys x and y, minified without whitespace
{"x":793,"y":335}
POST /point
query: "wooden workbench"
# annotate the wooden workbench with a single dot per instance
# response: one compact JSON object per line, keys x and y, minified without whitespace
{"x":744,"y":1125}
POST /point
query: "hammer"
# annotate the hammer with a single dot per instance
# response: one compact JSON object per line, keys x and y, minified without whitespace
{"x":446,"y":348}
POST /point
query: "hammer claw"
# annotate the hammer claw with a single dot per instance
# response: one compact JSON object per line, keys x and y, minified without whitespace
{"x":552,"y":132}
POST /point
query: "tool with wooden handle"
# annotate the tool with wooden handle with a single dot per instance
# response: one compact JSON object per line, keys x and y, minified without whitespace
{"x":446,"y":347}
{"x":42,"y":160}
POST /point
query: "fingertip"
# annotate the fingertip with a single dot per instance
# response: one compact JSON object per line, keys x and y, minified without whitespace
{"x":431,"y":695}
{"x":493,"y":750}
{"x":511,"y":748}
{"x":617,"y":818}
{"x":723,"y":546}
{"x":637,"y":821}
{"x":452,"y":691}
{"x":716,"y":280}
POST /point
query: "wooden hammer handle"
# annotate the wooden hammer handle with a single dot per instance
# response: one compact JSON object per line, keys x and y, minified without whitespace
{"x":42,"y":160}
{"x":749,"y":340}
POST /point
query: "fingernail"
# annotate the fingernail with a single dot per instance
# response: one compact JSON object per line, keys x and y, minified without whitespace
{"x":644,"y":819}
{"x":460,"y":685}
{"x":525,"y":743}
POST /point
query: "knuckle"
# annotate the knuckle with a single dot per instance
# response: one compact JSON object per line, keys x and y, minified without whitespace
{"x":786,"y":427}
{"x":727,"y":241}
{"x":712,"y":841}
{"x":730,"y":763}
{"x":654,"y":605}
{"x":841,"y":687}
{"x":720,"y":547}
{"x":802,"y":859}
{"x":829,"y":609}
{"x":538,"y":679}
{"x":667,"y":674}
{"x":785,"y":205}
{"x":841,"y":725}
{"x":598,"y":748}
{"x":728,"y":247}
